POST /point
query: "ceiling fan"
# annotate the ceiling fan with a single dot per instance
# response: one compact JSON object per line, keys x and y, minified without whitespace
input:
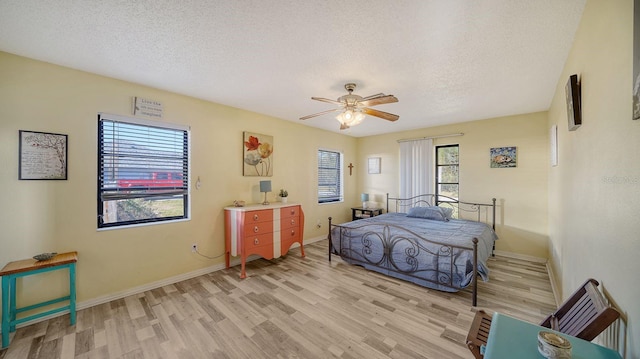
{"x":355,"y":107}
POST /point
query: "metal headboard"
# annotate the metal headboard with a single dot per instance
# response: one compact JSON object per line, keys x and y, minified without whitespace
{"x":461,"y":209}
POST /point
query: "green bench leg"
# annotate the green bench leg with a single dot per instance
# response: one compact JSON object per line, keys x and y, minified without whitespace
{"x":6,"y":314}
{"x":12,"y":303}
{"x":72,"y":293}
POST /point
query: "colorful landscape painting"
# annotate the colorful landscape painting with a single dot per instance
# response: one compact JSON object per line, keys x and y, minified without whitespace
{"x":503,"y":157}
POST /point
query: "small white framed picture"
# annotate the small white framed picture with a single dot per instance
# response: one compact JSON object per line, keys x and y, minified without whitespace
{"x":374,"y":165}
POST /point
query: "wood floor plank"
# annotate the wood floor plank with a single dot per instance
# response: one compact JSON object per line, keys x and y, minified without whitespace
{"x":290,"y":307}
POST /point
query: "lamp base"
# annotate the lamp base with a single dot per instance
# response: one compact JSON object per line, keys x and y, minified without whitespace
{"x":364,"y":205}
{"x":265,"y":199}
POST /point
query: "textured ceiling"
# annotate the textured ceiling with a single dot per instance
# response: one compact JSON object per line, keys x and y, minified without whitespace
{"x":446,"y":61}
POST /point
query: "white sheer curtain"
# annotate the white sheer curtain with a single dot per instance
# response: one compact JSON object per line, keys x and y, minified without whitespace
{"x":416,"y":167}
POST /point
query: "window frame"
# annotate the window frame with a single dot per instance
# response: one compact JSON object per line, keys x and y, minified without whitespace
{"x":184,"y":189}
{"x":339,"y":198}
{"x":437,"y":182}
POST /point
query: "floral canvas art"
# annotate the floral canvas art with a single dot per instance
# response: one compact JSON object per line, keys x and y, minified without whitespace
{"x":257,"y":155}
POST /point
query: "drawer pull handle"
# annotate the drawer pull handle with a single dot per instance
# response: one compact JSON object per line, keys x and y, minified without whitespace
{"x":256,"y":229}
{"x":255,"y":217}
{"x":293,"y":232}
{"x":293,"y":221}
{"x":293,"y":211}
{"x":256,"y":241}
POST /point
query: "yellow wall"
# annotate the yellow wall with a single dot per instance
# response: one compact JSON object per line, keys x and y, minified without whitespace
{"x":521,"y":192}
{"x":594,"y":193}
{"x":42,"y":216}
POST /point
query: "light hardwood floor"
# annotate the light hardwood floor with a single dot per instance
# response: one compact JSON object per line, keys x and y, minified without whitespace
{"x":291,"y":307}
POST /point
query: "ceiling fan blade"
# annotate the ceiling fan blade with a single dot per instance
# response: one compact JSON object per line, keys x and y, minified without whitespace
{"x":374,"y":96}
{"x":384,"y":115}
{"x":378,"y":100}
{"x":327,"y":100}
{"x":320,"y":113}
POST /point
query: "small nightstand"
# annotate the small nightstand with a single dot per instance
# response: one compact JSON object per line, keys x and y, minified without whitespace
{"x":360,"y":213}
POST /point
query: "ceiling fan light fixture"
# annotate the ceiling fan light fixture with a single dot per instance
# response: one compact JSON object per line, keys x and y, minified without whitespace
{"x":343,"y":117}
{"x":350,"y":117}
{"x":359,"y":116}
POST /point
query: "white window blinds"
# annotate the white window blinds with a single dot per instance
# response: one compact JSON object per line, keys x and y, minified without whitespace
{"x":140,"y":165}
{"x":329,"y":176}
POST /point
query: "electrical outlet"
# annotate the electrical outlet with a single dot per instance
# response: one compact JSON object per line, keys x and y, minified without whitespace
{"x":319,"y":224}
{"x":194,"y":247}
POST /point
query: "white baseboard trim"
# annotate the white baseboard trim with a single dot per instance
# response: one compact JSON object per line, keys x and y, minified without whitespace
{"x":554,"y":284}
{"x":525,"y":257}
{"x":153,"y":285}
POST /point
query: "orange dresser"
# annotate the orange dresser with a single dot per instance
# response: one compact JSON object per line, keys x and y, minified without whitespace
{"x":264,"y":230}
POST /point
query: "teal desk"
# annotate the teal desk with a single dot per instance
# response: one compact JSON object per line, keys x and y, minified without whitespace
{"x":513,"y":338}
{"x":17,"y":269}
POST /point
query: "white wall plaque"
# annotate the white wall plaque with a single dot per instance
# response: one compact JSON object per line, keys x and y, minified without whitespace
{"x":148,"y":108}
{"x":374,"y":165}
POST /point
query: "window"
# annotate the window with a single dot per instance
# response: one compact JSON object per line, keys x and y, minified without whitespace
{"x":329,"y":176}
{"x":447,"y":165}
{"x":143,"y":171}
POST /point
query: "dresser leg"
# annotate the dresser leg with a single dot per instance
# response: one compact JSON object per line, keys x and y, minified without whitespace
{"x":243,"y":274}
{"x":301,"y":250}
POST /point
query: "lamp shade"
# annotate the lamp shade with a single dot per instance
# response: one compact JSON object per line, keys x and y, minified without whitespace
{"x":265,"y":186}
{"x":364,"y":197}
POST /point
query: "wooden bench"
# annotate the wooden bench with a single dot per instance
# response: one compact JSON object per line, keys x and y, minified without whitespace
{"x":14,"y":270}
{"x":584,"y":315}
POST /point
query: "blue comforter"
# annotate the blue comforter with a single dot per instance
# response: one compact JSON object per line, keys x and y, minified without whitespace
{"x":430,"y":253}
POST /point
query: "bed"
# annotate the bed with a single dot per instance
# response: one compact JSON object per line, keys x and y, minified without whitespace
{"x":432,"y":240}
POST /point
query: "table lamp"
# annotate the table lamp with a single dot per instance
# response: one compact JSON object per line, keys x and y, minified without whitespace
{"x":265,"y":186}
{"x":365,"y":198}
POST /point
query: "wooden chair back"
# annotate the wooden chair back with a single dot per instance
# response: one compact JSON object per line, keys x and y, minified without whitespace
{"x":584,"y":315}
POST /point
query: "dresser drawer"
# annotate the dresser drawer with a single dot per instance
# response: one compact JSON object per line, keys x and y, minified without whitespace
{"x":293,"y":211}
{"x":261,"y":245}
{"x":290,"y":233}
{"x":258,"y":216}
{"x":258,"y":240}
{"x":289,"y":237}
{"x":253,"y":228}
{"x":289,"y":222}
